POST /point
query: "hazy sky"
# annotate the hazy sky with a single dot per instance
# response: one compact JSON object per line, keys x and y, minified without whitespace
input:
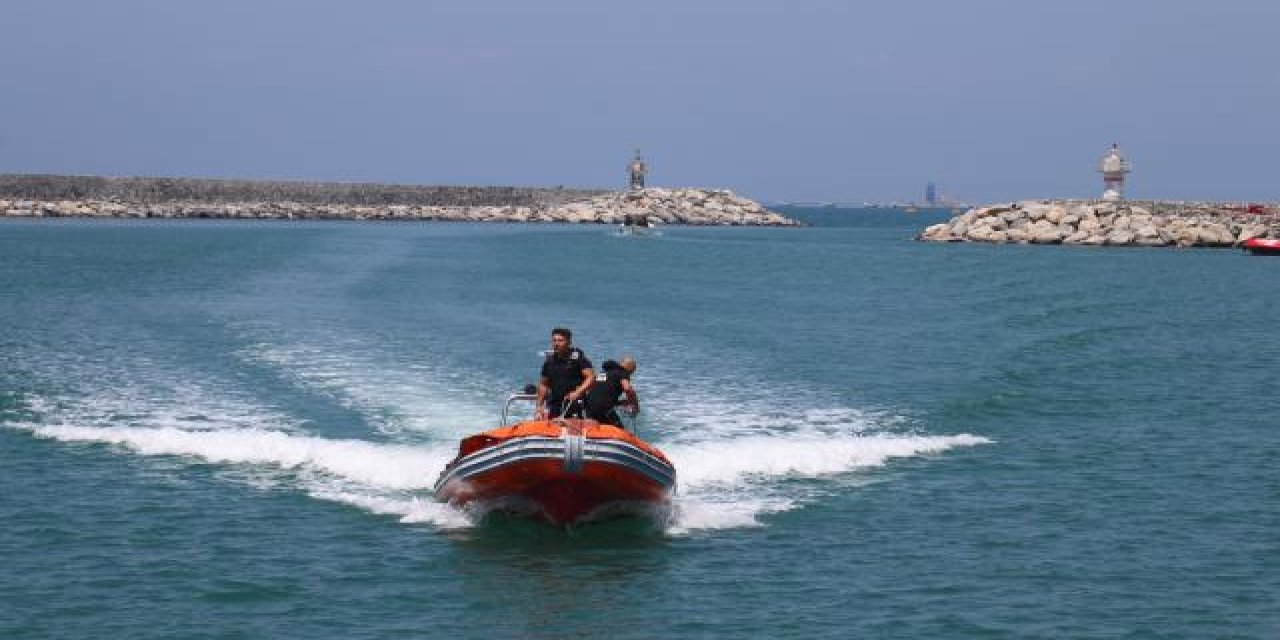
{"x":814,"y":100}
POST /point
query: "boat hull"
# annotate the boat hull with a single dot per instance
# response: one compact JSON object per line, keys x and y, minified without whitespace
{"x":565,"y":471}
{"x":1262,"y":246}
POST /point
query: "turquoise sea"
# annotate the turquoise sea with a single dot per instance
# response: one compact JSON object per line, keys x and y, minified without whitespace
{"x":229,"y":430}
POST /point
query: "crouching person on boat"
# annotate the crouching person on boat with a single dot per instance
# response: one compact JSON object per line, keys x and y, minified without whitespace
{"x":566,"y":377}
{"x":612,"y":384}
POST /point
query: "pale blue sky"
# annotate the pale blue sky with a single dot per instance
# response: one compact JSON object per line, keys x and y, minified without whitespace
{"x":814,"y":100}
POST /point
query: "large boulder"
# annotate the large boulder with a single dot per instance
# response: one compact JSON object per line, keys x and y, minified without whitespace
{"x":1184,"y":236}
{"x":1045,"y":232}
{"x":1089,"y":224}
{"x":1214,"y":234}
{"x":993,"y":210}
{"x":1120,"y":237}
{"x":1036,"y":211}
{"x":1250,"y":231}
{"x":937,"y":233}
{"x":1077,"y":237}
{"x":1104,"y":208}
{"x":1146,"y":231}
{"x":980,"y":233}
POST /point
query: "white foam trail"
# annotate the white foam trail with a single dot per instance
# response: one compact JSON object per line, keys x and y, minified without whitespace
{"x":380,"y":465}
{"x":726,"y":479}
{"x":380,"y":478}
{"x":723,"y":484}
{"x":410,"y":510}
{"x":703,"y":513}
{"x":730,"y":483}
{"x":764,"y":457}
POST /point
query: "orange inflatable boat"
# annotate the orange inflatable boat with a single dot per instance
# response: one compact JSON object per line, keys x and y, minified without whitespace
{"x":564,"y":470}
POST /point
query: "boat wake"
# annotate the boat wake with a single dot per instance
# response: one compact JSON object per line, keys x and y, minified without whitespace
{"x":731,"y":484}
{"x":724,"y":482}
{"x":738,"y":458}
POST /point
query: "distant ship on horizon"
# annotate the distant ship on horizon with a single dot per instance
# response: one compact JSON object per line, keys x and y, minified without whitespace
{"x":907,"y":207}
{"x":934,"y":200}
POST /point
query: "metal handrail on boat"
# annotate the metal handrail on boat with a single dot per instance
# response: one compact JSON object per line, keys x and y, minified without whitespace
{"x":630,"y":421}
{"x":516,"y":397}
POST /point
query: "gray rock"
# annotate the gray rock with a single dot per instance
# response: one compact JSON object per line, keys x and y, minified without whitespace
{"x":1044,"y":232}
{"x":936,"y":232}
{"x":1036,"y":212}
{"x":979,"y":234}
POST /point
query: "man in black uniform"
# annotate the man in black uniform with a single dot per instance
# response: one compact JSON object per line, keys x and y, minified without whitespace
{"x":566,"y":376}
{"x":613,"y":381}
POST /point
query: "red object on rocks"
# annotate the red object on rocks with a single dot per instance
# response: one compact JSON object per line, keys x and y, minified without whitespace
{"x":1262,"y":246}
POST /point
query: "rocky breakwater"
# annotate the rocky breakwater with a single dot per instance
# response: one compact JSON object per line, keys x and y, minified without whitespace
{"x":673,"y":206}
{"x":1131,"y":224}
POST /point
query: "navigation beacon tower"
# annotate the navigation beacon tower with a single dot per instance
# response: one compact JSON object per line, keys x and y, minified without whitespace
{"x":1113,"y":168}
{"x":636,"y":170}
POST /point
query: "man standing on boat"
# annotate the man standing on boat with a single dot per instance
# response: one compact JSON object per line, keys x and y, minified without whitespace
{"x":613,"y":382}
{"x":566,"y":377}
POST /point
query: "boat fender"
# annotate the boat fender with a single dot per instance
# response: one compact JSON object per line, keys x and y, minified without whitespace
{"x":573,"y":451}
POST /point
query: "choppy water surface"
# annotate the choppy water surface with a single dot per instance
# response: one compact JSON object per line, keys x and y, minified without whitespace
{"x":219,"y":429}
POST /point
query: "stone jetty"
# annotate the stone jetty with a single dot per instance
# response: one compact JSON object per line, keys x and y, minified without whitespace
{"x":1100,"y":223}
{"x":93,"y":197}
{"x":701,"y":207}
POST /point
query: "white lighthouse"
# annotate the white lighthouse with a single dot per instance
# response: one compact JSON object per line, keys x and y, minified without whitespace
{"x":1113,"y":168}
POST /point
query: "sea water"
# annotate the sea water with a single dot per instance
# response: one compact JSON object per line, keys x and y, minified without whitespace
{"x":231,"y":429}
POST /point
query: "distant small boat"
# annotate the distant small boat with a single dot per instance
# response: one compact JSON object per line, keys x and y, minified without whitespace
{"x":638,"y":226}
{"x":635,"y":230}
{"x":1262,"y":246}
